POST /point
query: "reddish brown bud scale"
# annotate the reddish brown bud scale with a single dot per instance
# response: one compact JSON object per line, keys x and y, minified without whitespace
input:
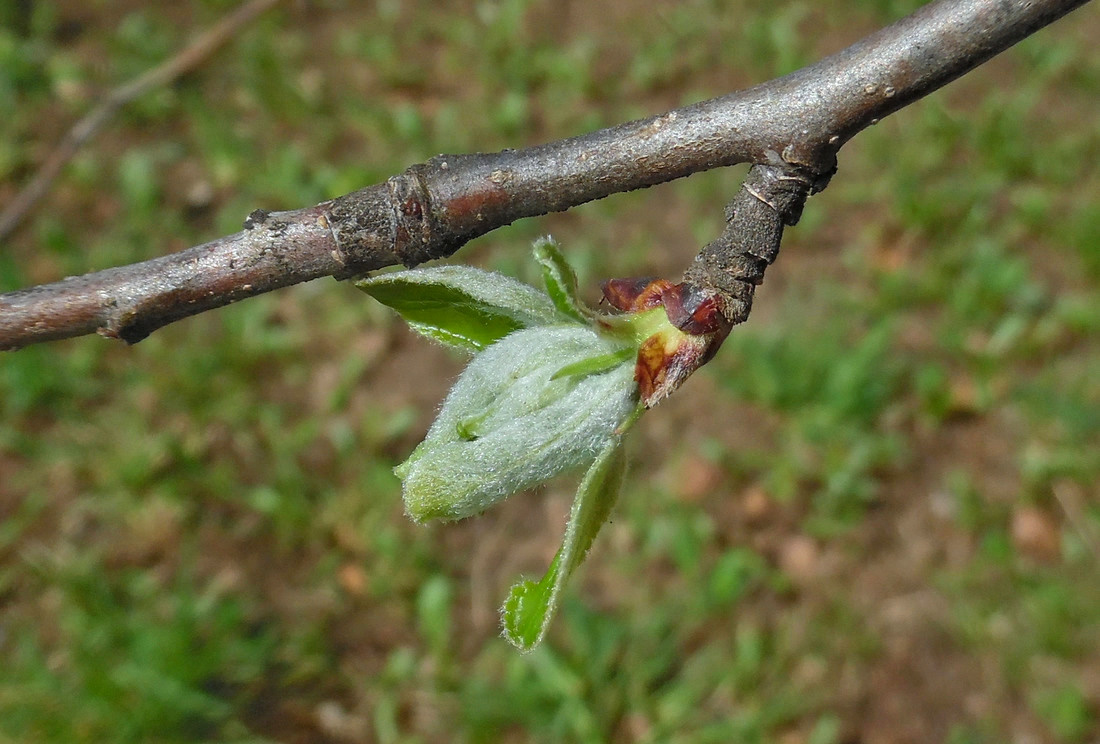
{"x":650,"y":370}
{"x":634,"y":295}
{"x":694,"y":310}
{"x":651,"y":367}
{"x":667,"y":358}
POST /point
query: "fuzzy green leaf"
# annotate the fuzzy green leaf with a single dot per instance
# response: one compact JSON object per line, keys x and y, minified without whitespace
{"x":595,"y":365}
{"x":531,"y":604}
{"x":560,"y":280}
{"x":461,"y":306}
{"x":509,"y":424}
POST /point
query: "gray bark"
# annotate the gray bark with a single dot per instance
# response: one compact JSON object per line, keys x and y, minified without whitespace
{"x":791,"y":127}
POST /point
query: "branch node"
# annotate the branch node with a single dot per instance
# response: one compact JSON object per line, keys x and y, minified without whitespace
{"x":255,"y":218}
{"x":412,"y":217}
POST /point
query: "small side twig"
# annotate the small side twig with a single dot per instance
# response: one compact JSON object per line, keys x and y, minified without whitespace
{"x":89,"y":125}
{"x":733,"y":264}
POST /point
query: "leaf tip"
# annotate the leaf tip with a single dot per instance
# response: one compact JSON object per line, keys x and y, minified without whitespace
{"x":544,"y":246}
{"x":515,"y":621}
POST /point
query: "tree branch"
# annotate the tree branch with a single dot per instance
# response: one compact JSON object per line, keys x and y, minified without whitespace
{"x":793,"y":125}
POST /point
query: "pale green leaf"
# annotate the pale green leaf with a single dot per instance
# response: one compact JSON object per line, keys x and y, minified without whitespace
{"x":509,"y":424}
{"x":560,"y":280}
{"x":461,"y":306}
{"x":531,"y":604}
{"x":595,"y":365}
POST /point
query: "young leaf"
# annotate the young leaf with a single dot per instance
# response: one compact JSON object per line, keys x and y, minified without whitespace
{"x":595,"y":365}
{"x":560,"y":280}
{"x":461,"y":306}
{"x":531,"y":604}
{"x":509,"y":424}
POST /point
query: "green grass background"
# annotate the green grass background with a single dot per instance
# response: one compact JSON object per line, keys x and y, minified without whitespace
{"x":872,"y":518}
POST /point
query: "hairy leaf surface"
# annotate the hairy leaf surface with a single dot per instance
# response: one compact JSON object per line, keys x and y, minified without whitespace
{"x":509,"y":423}
{"x":531,"y":604}
{"x":461,"y":306}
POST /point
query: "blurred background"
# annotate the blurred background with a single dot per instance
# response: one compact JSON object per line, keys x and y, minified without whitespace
{"x":875,"y":517}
